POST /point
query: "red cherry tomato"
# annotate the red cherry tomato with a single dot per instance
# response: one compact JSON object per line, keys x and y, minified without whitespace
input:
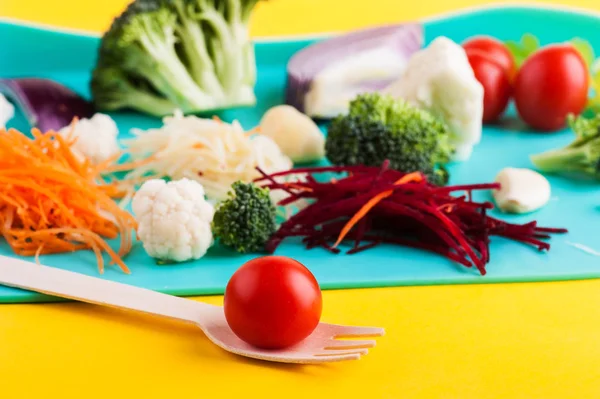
{"x":551,"y":83}
{"x":495,"y":82}
{"x":495,"y":49}
{"x":273,"y":302}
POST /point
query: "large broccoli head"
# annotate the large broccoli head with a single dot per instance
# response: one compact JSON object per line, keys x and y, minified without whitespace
{"x":193,"y":55}
{"x":379,"y":127}
{"x":246,"y":220}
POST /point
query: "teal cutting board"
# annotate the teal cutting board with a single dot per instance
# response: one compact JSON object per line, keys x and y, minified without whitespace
{"x":27,"y":51}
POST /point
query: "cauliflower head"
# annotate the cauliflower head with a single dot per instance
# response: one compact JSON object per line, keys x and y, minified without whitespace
{"x":440,"y":79}
{"x":174,"y":219}
{"x":95,"y":138}
{"x":7,"y":111}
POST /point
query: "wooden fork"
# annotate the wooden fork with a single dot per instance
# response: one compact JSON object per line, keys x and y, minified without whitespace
{"x":320,"y":347}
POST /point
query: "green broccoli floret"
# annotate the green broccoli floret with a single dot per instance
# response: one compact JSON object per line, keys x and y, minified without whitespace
{"x":115,"y":91}
{"x":192,"y":55}
{"x":379,"y":127}
{"x":582,"y":156}
{"x":246,"y":220}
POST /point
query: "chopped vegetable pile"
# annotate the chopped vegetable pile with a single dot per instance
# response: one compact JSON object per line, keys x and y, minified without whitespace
{"x":373,"y":205}
{"x":53,"y":202}
{"x":212,"y":152}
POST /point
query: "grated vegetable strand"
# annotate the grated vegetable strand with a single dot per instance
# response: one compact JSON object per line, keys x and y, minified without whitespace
{"x":54,"y":202}
{"x":371,"y":206}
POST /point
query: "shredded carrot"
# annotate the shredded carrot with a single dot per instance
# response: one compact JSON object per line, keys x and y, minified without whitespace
{"x":408,"y":178}
{"x":253,"y":131}
{"x":447,"y":208}
{"x":52,"y":201}
{"x":217,"y":119}
{"x":38,"y":252}
{"x":111,"y":167}
{"x":298,"y":187}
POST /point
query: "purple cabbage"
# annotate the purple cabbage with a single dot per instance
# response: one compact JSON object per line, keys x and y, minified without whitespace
{"x":403,"y":40}
{"x":47,"y":105}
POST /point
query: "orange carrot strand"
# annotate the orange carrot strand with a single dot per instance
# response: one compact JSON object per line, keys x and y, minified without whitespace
{"x":52,"y":201}
{"x":408,"y":178}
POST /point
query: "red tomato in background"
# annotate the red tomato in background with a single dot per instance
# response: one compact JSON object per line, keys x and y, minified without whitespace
{"x":495,"y":82}
{"x":495,"y":49}
{"x":551,"y":83}
{"x":273,"y":302}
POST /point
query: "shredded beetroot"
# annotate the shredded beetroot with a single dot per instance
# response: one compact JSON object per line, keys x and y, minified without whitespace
{"x":414,"y":213}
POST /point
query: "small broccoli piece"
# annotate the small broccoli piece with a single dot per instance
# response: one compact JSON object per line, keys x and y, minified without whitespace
{"x":194,"y":54}
{"x":581,"y":156}
{"x":379,"y":127}
{"x":246,"y":220}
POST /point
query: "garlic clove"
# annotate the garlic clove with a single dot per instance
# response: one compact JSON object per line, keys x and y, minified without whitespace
{"x":522,"y":190}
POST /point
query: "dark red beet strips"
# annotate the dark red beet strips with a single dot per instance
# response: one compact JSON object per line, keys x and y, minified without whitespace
{"x":369,"y":206}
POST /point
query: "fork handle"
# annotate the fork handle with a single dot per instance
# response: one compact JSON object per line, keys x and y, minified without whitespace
{"x":61,"y":283}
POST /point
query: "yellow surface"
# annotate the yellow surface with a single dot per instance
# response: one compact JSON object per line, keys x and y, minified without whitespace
{"x":466,"y":342}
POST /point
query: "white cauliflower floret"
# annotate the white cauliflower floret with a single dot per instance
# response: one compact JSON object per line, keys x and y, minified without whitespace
{"x":7,"y":111}
{"x":174,"y":219}
{"x":440,"y":79}
{"x":95,"y":138}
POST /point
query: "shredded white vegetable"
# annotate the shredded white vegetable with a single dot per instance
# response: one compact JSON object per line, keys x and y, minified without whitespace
{"x":584,"y":248}
{"x":212,"y":152}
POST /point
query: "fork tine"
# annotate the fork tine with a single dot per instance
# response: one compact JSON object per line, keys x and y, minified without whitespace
{"x":347,"y":344}
{"x":330,"y":359}
{"x":350,"y":332}
{"x":342,"y":352}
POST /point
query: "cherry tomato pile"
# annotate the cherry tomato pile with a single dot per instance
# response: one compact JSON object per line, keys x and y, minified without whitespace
{"x":552,"y":83}
{"x":273,"y":302}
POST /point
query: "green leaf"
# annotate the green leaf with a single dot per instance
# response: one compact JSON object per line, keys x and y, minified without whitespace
{"x":593,"y":104}
{"x":523,"y":48}
{"x":530,"y":43}
{"x":585,"y":49}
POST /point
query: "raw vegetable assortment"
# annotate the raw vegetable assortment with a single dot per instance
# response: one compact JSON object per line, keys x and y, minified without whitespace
{"x":397,"y":114}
